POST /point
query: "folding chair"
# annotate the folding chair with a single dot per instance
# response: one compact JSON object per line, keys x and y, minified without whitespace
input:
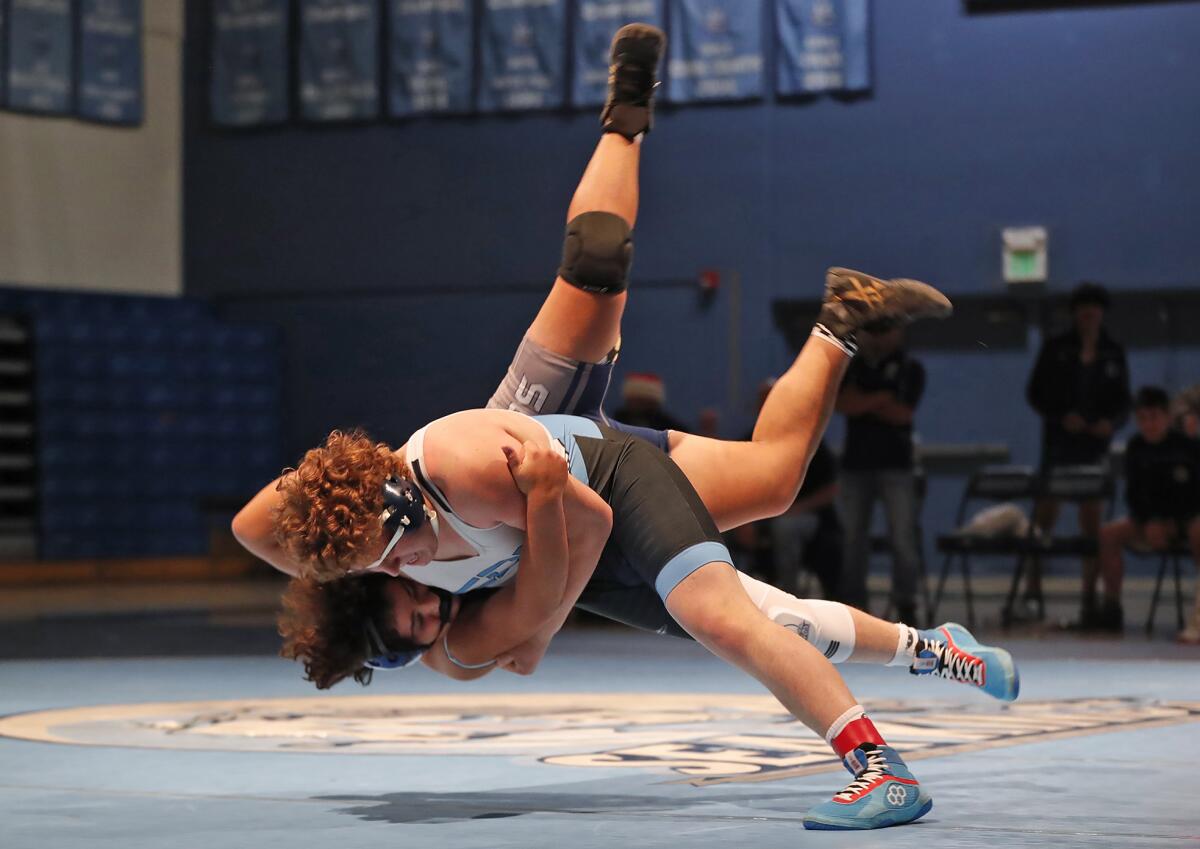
{"x":1075,"y":485}
{"x":991,"y":484}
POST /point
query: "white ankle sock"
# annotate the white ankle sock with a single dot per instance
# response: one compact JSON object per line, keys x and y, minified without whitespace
{"x":906,"y":646}
{"x":839,"y":724}
{"x":848,"y":346}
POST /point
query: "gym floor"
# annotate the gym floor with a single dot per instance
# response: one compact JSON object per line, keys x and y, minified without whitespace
{"x":620,"y":739}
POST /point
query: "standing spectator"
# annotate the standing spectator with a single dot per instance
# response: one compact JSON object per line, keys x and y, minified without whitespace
{"x":642,"y":399}
{"x":1162,"y":488}
{"x":1080,"y":388}
{"x":879,"y":395}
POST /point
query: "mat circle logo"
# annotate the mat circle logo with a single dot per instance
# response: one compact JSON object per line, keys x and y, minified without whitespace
{"x":696,"y":737}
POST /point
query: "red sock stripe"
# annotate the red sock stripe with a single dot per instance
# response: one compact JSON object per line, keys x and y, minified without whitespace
{"x":861,"y":730}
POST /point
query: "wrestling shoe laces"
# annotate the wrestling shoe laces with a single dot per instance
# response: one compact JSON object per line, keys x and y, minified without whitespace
{"x":875,"y":770}
{"x":940,"y":659}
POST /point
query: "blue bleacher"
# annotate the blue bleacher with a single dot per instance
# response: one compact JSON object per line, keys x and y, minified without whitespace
{"x":145,"y":406}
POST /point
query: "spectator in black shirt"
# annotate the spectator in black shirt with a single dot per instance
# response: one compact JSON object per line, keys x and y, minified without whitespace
{"x":1080,"y":388}
{"x":879,"y":395}
{"x":1162,"y":488}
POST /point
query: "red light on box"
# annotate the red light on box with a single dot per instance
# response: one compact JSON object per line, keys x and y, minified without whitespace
{"x":710,"y":280}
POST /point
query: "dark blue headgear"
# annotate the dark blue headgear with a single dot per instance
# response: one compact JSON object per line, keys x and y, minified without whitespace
{"x":403,"y":510}
{"x":381,"y":657}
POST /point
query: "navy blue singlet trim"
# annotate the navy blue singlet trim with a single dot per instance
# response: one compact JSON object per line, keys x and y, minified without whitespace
{"x":428,"y":486}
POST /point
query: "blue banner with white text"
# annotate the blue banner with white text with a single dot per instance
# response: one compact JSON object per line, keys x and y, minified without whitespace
{"x":339,"y":60}
{"x":109,"y":84}
{"x":40,"y":56}
{"x":249,"y":83}
{"x":595,"y":22}
{"x":430,"y":54}
{"x":824,"y":45}
{"x":523,"y":55}
{"x":716,"y":50}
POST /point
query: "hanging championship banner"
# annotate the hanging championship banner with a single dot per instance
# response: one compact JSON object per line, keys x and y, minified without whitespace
{"x":339,"y":60}
{"x":40,"y":50}
{"x":430,"y":57}
{"x":593,"y":26}
{"x":522,"y":55}
{"x":715,"y":51}
{"x":249,"y":62}
{"x":824,"y":45}
{"x":109,"y":83}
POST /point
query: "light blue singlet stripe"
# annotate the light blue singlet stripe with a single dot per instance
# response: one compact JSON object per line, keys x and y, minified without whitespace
{"x":565,"y":429}
{"x":688,"y":561}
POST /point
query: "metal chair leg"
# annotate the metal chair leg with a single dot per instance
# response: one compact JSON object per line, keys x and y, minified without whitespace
{"x":1162,"y":570}
{"x":1041,"y":588}
{"x":1178,"y":594}
{"x":947,"y":562}
{"x":925,"y":592}
{"x":1006,"y":614}
{"x":966,"y":572}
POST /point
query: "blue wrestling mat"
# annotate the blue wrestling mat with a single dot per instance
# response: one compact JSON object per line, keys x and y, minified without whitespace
{"x":619,"y":740}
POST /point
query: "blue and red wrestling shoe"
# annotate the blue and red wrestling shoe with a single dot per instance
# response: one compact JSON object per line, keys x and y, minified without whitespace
{"x":883,"y":793}
{"x":950,"y":651}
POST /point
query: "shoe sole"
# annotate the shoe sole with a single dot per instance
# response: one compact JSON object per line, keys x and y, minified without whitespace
{"x":638,"y":32}
{"x":885,"y":819}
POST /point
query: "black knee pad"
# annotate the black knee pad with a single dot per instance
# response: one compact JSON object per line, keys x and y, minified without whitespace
{"x":597,"y":253}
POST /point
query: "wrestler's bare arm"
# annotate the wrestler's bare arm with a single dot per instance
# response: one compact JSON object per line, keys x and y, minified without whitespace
{"x":254,"y":528}
{"x":485,"y":631}
{"x":566,"y":527}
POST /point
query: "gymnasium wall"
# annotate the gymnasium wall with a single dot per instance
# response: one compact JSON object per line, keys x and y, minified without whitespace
{"x":403,"y":260}
{"x":99,"y":208}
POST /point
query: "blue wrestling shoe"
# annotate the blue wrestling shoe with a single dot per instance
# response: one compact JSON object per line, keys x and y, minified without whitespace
{"x":950,"y":651}
{"x":882,"y":793}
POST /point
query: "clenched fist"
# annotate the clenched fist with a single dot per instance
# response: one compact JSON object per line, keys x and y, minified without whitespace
{"x":535,"y":467}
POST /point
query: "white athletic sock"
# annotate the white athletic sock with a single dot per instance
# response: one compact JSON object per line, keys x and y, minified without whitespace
{"x":906,"y":646}
{"x":848,"y":346}
{"x":839,"y":724}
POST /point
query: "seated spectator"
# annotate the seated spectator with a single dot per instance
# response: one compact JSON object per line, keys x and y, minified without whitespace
{"x":642,"y":399}
{"x":1162,"y":489}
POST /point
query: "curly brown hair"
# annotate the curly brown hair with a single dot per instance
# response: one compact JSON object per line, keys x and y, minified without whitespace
{"x":323,"y":624}
{"x":329,"y":515}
